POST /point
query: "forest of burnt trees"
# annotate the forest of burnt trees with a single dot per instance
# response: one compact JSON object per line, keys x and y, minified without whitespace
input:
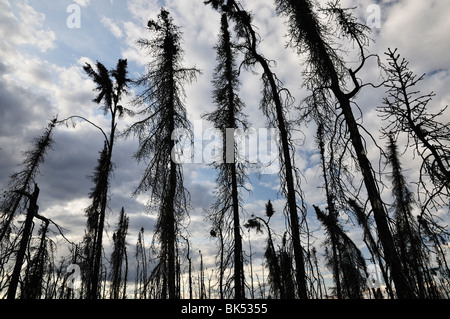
{"x":405,"y":238}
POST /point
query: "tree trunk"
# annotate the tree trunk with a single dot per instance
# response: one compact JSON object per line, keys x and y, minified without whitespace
{"x":94,"y":287}
{"x":238,"y":262}
{"x":32,"y":210}
{"x":403,"y":289}
{"x":300,"y":273}
{"x":171,"y":232}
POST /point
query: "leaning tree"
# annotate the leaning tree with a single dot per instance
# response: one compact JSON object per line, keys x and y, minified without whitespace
{"x":275,"y":103}
{"x":334,"y":85}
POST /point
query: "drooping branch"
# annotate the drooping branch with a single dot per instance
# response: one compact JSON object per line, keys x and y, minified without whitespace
{"x":327,"y":70}
{"x":275,"y":109}
{"x":405,"y":111}
{"x":73,"y":117}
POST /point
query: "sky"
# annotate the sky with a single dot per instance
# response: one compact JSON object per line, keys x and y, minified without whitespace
{"x":44,"y":45}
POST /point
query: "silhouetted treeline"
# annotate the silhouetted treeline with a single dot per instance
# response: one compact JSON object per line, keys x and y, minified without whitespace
{"x":406,"y":243}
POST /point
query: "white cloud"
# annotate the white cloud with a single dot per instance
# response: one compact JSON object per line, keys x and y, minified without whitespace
{"x":133,"y":33}
{"x":142,"y":11}
{"x":112,"y":27}
{"x":83,"y":3}
{"x":25,"y":28}
{"x":34,"y":86}
{"x":419,"y":30}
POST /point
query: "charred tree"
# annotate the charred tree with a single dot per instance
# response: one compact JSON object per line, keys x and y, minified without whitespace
{"x":274,"y":107}
{"x":33,"y":209}
{"x":346,"y":260}
{"x":332,"y":216}
{"x":374,"y":249}
{"x":141,"y":282}
{"x":406,"y":112}
{"x":111,"y":85}
{"x":34,"y":275}
{"x":327,"y":77}
{"x":119,"y":263}
{"x":272,"y":257}
{"x":15,"y":200}
{"x":163,"y":112}
{"x":227,"y":118}
{"x":24,"y":179}
{"x":409,"y":242}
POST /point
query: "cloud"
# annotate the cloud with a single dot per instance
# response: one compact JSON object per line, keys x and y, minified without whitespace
{"x":41,"y":75}
{"x":406,"y":21}
{"x":25,"y":28}
{"x":83,"y":3}
{"x":23,"y":115}
{"x":69,"y":216}
{"x":112,"y":27}
{"x":133,"y":33}
{"x":142,"y":11}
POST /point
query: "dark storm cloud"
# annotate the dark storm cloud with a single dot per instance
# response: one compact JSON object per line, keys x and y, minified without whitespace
{"x":67,"y":167}
{"x":201,"y":194}
{"x":23,"y":116}
{"x":22,"y":110}
{"x":34,"y":87}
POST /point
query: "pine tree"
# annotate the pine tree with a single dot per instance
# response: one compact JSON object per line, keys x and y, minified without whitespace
{"x":405,"y":111}
{"x":34,"y":275}
{"x":274,"y":106}
{"x":20,"y":192}
{"x":25,"y":239}
{"x":327,"y":77}
{"x":376,"y":253}
{"x":346,"y":260}
{"x":227,"y":118}
{"x":408,"y":240}
{"x":119,"y":259}
{"x":24,"y":179}
{"x":164,"y":112}
{"x":111,"y":85}
{"x":270,"y":254}
{"x":141,"y":282}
